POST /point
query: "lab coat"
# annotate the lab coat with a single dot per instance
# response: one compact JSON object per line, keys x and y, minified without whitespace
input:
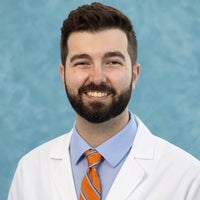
{"x":153,"y":170}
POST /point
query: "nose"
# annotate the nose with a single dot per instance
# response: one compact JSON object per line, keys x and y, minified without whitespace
{"x":97,"y":75}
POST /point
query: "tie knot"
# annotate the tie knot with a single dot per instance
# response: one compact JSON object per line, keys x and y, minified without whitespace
{"x":93,"y":157}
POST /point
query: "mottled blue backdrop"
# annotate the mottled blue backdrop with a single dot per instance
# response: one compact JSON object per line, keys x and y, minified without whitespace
{"x":33,"y":105}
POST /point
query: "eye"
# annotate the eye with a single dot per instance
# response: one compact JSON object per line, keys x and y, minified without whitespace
{"x":81,"y":64}
{"x":113,"y":63}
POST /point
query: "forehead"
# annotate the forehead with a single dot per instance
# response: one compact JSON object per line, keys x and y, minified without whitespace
{"x":91,"y":42}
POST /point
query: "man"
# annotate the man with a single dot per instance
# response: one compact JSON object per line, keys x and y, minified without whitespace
{"x":99,"y":72}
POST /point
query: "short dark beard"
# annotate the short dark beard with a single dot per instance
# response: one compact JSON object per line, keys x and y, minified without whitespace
{"x":97,"y":112}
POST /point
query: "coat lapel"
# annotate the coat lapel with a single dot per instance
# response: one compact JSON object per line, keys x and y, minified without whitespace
{"x":128,"y":178}
{"x":137,"y":165}
{"x":61,"y":170}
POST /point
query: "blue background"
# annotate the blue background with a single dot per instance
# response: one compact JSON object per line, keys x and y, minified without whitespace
{"x":33,"y":105}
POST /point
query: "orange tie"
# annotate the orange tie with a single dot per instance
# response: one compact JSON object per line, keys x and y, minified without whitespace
{"x":90,"y":186}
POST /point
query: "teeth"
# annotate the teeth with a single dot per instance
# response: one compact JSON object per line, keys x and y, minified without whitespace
{"x":97,"y":94}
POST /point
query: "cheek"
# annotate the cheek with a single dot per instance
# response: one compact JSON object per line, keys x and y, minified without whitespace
{"x":74,"y":80}
{"x":122,"y":81}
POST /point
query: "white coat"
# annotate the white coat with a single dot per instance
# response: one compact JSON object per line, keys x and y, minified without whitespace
{"x":153,"y":170}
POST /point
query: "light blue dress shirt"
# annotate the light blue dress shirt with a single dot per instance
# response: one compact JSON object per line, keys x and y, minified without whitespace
{"x":114,"y":152}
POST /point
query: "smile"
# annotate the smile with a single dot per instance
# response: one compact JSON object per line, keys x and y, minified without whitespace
{"x":97,"y":94}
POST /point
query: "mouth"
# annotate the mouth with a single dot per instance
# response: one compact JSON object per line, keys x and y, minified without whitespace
{"x":97,"y":94}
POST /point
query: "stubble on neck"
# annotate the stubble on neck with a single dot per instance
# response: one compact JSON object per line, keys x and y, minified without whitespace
{"x":97,"y":133}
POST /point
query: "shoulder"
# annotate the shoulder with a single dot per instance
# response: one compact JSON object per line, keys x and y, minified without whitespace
{"x":163,"y":151}
{"x":173,"y":153}
{"x":54,"y":148}
{"x":162,"y":160}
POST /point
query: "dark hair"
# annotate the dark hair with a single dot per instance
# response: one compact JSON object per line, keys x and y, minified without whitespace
{"x":96,"y":17}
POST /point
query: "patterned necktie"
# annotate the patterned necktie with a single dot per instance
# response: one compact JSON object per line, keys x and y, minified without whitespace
{"x":90,"y":186}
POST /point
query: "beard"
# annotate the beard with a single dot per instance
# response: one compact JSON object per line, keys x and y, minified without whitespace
{"x":98,"y":112}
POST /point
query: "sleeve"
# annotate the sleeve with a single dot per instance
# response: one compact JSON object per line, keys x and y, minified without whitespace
{"x":15,"y":192}
{"x":194,"y":190}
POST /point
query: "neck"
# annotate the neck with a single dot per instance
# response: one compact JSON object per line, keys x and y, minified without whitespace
{"x":97,"y":133}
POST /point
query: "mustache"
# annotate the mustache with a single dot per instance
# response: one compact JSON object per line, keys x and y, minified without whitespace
{"x":93,"y":87}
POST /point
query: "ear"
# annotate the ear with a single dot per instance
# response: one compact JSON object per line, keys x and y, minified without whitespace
{"x":136,"y":73}
{"x":62,"y":75}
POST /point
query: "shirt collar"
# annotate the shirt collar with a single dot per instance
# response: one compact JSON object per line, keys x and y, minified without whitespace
{"x":113,"y":150}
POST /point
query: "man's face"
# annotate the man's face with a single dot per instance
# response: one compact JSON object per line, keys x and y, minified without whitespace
{"x":98,"y":75}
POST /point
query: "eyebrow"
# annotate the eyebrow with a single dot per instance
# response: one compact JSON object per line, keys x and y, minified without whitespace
{"x":79,"y":56}
{"x":114,"y":54}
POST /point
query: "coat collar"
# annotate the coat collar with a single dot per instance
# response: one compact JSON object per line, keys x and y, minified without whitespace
{"x":144,"y":143}
{"x":60,"y":146}
{"x":137,"y":165}
{"x":143,"y":146}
